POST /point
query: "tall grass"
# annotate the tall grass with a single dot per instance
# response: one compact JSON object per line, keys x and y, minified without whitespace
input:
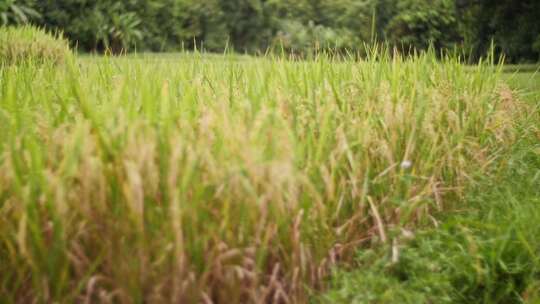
{"x":486,"y":251}
{"x":231,"y":180}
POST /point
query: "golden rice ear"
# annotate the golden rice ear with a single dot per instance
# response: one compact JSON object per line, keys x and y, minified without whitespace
{"x":32,"y":45}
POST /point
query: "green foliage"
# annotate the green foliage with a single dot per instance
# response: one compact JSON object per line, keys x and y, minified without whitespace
{"x":300,"y":26}
{"x":308,"y":26}
{"x":536,"y":46}
{"x":98,"y":25}
{"x":421,"y":23}
{"x":173,"y":23}
{"x":298,"y":38}
{"x":250,"y":23}
{"x":29,"y":44}
{"x":513,"y":26}
{"x":16,"y":12}
{"x":118,"y":29}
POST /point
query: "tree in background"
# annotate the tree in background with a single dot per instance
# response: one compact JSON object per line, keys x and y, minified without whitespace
{"x":251,"y":24}
{"x":173,"y":24}
{"x":308,"y":25}
{"x":419,"y":24}
{"x":300,"y":26}
{"x":513,"y":26}
{"x":94,"y":25}
{"x":17,"y":12}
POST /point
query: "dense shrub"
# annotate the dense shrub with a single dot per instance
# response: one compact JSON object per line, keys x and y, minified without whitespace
{"x":31,"y":44}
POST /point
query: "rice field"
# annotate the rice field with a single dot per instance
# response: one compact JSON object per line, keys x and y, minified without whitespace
{"x":228,"y":179}
{"x":484,"y":251}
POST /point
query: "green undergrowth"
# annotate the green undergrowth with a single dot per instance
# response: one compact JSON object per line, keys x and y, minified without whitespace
{"x":486,"y":251}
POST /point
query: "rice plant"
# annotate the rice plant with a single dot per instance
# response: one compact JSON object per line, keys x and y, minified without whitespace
{"x":31,"y":45}
{"x":196,"y":178}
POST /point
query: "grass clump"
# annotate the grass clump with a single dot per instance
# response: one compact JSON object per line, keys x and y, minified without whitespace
{"x":29,"y":44}
{"x":232,"y":180}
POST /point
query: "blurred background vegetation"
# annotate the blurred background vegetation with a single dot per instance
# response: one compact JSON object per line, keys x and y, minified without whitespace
{"x":299,"y":26}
